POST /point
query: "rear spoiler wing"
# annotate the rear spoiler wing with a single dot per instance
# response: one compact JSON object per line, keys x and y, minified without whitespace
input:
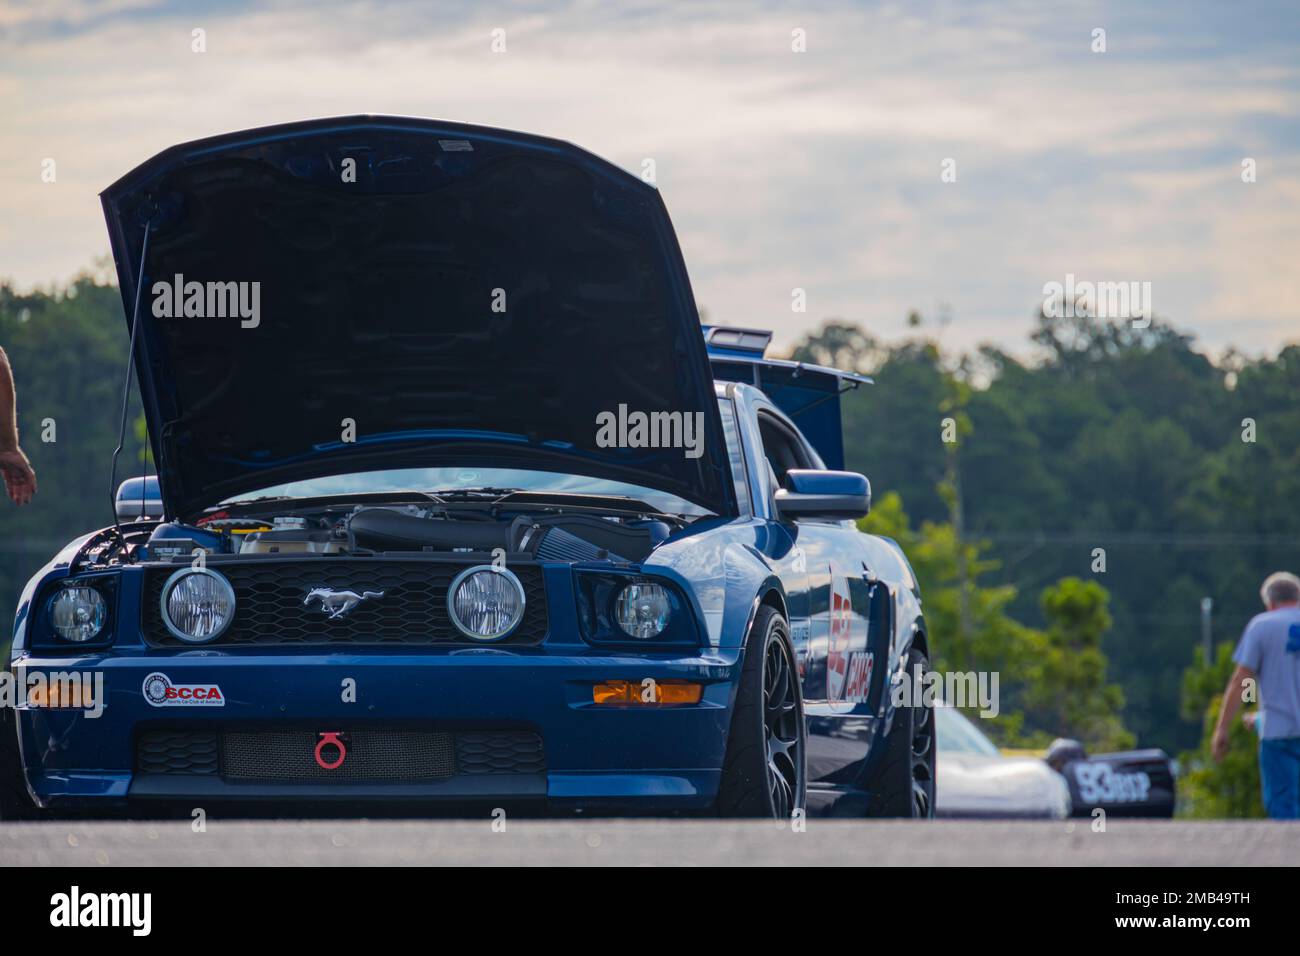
{"x":808,"y":394}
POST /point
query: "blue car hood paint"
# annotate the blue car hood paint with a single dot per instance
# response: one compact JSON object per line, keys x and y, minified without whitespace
{"x":463,"y":295}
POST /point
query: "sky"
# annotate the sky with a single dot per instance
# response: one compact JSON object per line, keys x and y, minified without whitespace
{"x":818,"y":169}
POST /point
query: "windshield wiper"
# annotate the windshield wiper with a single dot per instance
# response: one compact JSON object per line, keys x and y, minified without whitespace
{"x":623,"y":504}
{"x":485,"y":492}
{"x":308,"y":500}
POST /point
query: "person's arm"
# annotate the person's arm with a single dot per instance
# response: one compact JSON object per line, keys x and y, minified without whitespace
{"x":1232,"y":699}
{"x":20,"y":480}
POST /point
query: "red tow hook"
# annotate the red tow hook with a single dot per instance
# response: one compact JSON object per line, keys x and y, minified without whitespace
{"x":331,"y":738}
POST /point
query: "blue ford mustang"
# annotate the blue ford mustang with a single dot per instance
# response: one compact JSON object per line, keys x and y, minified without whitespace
{"x":458,"y":504}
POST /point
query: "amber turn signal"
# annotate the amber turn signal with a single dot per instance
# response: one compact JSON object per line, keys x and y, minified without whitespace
{"x":627,"y":692}
{"x":59,"y":697}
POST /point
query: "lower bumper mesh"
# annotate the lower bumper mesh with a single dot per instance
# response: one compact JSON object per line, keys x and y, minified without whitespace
{"x":360,"y":756}
{"x":343,"y":756}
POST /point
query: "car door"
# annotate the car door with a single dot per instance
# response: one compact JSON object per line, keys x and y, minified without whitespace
{"x":848,"y":621}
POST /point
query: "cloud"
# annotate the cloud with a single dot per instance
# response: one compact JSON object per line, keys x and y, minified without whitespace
{"x":818,"y":170}
{"x":29,"y":18}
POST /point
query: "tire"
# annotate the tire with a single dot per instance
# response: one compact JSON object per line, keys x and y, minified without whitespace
{"x":903,"y":784}
{"x":15,"y":803}
{"x":765,"y":773}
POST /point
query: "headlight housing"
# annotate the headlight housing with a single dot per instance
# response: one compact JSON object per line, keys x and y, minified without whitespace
{"x":198,"y":604}
{"x":78,"y":613}
{"x":635,"y":610}
{"x":485,"y":602}
{"x":642,"y":610}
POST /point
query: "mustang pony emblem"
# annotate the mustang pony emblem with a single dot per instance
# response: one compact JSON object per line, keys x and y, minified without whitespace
{"x":337,"y":603}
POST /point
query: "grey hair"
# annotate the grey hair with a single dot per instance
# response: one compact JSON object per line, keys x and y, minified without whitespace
{"x":1280,"y":587}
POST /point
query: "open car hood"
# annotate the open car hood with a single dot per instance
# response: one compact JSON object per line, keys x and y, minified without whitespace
{"x":453,"y":294}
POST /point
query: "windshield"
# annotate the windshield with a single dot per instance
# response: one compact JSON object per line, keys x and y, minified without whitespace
{"x":730,"y":433}
{"x":451,"y":479}
{"x":955,"y":734}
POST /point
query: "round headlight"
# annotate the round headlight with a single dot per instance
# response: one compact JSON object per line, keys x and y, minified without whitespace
{"x":642,"y":610}
{"x":485,"y":603}
{"x":78,"y":613}
{"x":197,"y":605}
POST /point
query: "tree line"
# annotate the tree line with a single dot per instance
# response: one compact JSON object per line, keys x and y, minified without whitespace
{"x":1089,"y":498}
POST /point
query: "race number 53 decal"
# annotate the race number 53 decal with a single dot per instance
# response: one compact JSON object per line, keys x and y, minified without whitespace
{"x":848,"y":663}
{"x":1098,"y":783}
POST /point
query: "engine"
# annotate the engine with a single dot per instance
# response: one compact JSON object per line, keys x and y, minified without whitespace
{"x":549,"y":535}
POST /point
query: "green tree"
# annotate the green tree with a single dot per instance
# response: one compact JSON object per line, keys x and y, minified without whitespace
{"x":1052,"y":683}
{"x":1207,"y":789}
{"x":1112,"y":454}
{"x":838,"y":344}
{"x":1065,"y":684}
{"x":68,"y":348}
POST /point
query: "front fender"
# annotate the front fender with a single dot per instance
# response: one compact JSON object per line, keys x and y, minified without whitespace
{"x":727,"y":574}
{"x":56,"y":569}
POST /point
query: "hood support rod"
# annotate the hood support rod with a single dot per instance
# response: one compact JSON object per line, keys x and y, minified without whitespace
{"x":126,"y":389}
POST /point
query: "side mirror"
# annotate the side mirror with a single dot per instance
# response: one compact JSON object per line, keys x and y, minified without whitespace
{"x":831,"y":495}
{"x":138,"y":499}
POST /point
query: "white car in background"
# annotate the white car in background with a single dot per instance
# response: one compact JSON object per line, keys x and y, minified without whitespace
{"x":974,"y":778}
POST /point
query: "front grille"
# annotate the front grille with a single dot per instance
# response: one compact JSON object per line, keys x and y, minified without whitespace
{"x":373,"y":755}
{"x":269,"y":607}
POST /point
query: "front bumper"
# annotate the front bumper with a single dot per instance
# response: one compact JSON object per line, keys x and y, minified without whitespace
{"x":644,"y":758}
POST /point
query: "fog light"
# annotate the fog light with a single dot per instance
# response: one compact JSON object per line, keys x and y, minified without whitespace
{"x":485,"y":602}
{"x":197,"y":605}
{"x":624,"y":692}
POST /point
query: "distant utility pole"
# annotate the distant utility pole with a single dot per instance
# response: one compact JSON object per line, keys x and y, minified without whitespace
{"x":1207,"y":605}
{"x":957,"y":514}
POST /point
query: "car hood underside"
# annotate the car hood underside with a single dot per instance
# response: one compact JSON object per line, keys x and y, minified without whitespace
{"x":404,"y":293}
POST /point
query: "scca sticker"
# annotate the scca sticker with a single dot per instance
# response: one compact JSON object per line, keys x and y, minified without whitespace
{"x":159,"y":691}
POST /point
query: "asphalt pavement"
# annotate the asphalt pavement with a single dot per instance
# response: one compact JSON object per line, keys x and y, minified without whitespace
{"x":648,"y":842}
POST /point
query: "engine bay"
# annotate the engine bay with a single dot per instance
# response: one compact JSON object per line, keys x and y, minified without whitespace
{"x":587,"y":532}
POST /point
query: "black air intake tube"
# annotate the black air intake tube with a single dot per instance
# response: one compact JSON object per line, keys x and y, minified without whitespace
{"x":382,"y":529}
